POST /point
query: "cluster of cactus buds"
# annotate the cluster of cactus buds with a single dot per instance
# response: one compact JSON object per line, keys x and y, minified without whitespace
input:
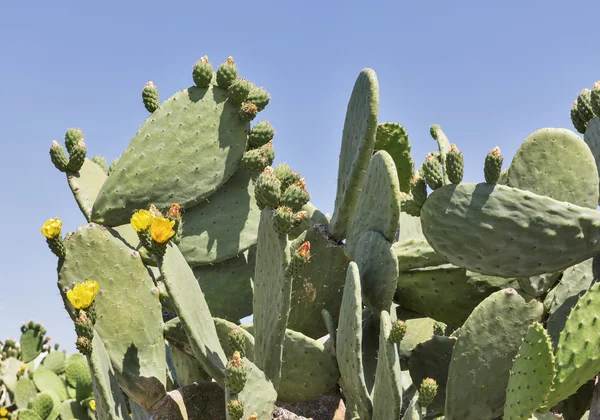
{"x":75,"y":147}
{"x":82,"y":297}
{"x":155,"y":230}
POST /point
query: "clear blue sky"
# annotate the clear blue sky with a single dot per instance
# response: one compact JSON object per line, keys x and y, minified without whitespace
{"x":489,"y":73}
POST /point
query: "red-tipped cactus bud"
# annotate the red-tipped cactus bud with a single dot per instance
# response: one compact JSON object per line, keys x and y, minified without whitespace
{"x":248,"y":111}
{"x":58,"y":156}
{"x":150,"y":97}
{"x":455,"y":165}
{"x":427,"y":391}
{"x":174,"y":211}
{"x":432,"y":171}
{"x":235,"y":374}
{"x":259,"y":97}
{"x":493,"y":166}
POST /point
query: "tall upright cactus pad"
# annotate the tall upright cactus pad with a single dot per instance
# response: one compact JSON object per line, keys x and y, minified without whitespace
{"x":349,"y":347}
{"x":392,"y":138}
{"x":318,"y":284}
{"x":482,"y":357}
{"x":378,"y":266}
{"x":531,"y":375}
{"x":86,"y":185}
{"x":592,"y":139}
{"x":183,"y":152}
{"x":556,"y":163}
{"x":194,"y":313}
{"x":508,"y":232}
{"x":222,"y":226}
{"x":133,"y":338}
{"x":387,"y":392}
{"x":378,"y":207}
{"x":446,"y":293}
{"x":577,"y":358}
{"x":227,"y":285}
{"x":358,"y":141}
{"x":32,"y":340}
{"x":272,"y":296}
{"x":575,"y":281}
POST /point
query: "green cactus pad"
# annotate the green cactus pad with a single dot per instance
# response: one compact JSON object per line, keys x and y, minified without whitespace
{"x":538,"y":285}
{"x":133,"y":339}
{"x":446,"y":293}
{"x":72,"y":410}
{"x":46,"y":380}
{"x":503,"y":178}
{"x":312,"y":217}
{"x":85,"y":186}
{"x":431,"y":359}
{"x":577,"y":358}
{"x":259,"y":395}
{"x":195,"y":141}
{"x":592,"y":139}
{"x":556,"y":163}
{"x":577,"y":404}
{"x":194,"y":313}
{"x":482,"y":356}
{"x":508,"y":232}
{"x":272,"y":296}
{"x":197,"y":401}
{"x":222,"y":226}
{"x":8,"y":372}
{"x":55,"y":362}
{"x":416,"y":253}
{"x":25,"y":392}
{"x":29,"y":415}
{"x":31,"y":342}
{"x":414,"y":410}
{"x":444,"y":146}
{"x":575,"y":281}
{"x":418,"y":330}
{"x":378,"y":265}
{"x":349,"y":346}
{"x":46,"y":405}
{"x":584,"y":105}
{"x":318,"y":285}
{"x":392,"y":138}
{"x":378,"y":207}
{"x":531,"y":375}
{"x":387,"y":392}
{"x":108,"y":396}
{"x":187,"y":368}
{"x":227,"y":285}
{"x":78,"y":376}
{"x":358,"y":141}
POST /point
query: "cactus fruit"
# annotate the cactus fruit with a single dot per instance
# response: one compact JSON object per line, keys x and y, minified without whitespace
{"x":237,"y":341}
{"x":261,"y":134}
{"x":268,"y":189}
{"x":398,"y":331}
{"x":418,"y":188}
{"x":259,"y":97}
{"x":235,"y":374}
{"x":284,"y":174}
{"x":584,"y":105}
{"x":256,"y":160}
{"x":77,"y":157}
{"x":202,"y":73}
{"x":427,"y":391}
{"x":455,"y":165}
{"x":150,"y":97}
{"x":493,"y":166}
{"x":285,"y":219}
{"x":410,"y":205}
{"x":72,"y":137}
{"x":595,"y":99}
{"x":226,"y":73}
{"x":239,"y":90}
{"x":578,"y":122}
{"x":58,"y":156}
{"x":248,"y":111}
{"x":295,"y":196}
{"x":235,"y":409}
{"x":432,"y":171}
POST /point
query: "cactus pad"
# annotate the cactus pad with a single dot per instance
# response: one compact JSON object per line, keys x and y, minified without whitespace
{"x":392,"y":138}
{"x":195,"y":141}
{"x":55,"y":362}
{"x":25,"y":392}
{"x":482,"y":357}
{"x":78,"y":376}
{"x":378,"y":207}
{"x":416,"y":253}
{"x":85,"y":186}
{"x":46,"y":380}
{"x":272,"y":295}
{"x":133,"y":339}
{"x":531,"y":375}
{"x":592,"y":139}
{"x":502,"y":233}
{"x":222,"y":226}
{"x":349,"y":346}
{"x":358,"y":141}
{"x":556,"y":163}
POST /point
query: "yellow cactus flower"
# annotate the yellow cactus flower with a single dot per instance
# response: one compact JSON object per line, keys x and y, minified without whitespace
{"x":83,"y":294}
{"x":93,"y":405}
{"x":23,"y":368}
{"x":161,"y":229}
{"x":3,"y":412}
{"x":51,"y":229}
{"x":3,"y":418}
{"x":141,"y":220}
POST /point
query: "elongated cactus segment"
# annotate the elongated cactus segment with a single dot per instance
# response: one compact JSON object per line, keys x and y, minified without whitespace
{"x":358,"y":141}
{"x":539,"y":285}
{"x":534,"y":168}
{"x":223,"y":226}
{"x":194,"y":313}
{"x":272,"y":296}
{"x":392,"y":138}
{"x":531,"y":375}
{"x":444,"y":147}
{"x":125,"y":283}
{"x":500,"y":233}
{"x":592,"y":139}
{"x":387,"y":392}
{"x":378,"y":207}
{"x":487,"y":343}
{"x":206,"y":154}
{"x":349,"y":346}
{"x":86,"y":185}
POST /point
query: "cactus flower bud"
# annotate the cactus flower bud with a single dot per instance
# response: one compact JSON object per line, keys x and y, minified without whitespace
{"x":427,"y":391}
{"x":202,"y":73}
{"x":235,"y":374}
{"x":226,"y":73}
{"x":235,"y":409}
{"x":237,"y":340}
{"x":150,"y":97}
{"x":432,"y":171}
{"x":398,"y":331}
{"x":248,"y":111}
{"x":493,"y":166}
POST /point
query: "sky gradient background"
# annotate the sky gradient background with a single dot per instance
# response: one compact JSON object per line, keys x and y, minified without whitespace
{"x":489,"y":73}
